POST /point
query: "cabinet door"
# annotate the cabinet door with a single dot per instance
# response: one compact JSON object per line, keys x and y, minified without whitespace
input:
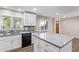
{"x":30,"y":19}
{"x":5,"y":44}
{"x":33,"y":38}
{"x":17,"y":41}
{"x":36,"y":44}
{"x":26,"y":19}
{"x":33,"y":19}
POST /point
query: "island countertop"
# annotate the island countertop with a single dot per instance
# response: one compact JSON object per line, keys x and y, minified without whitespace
{"x":58,"y":40}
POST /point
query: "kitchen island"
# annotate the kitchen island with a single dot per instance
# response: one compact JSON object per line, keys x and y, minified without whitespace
{"x":51,"y":42}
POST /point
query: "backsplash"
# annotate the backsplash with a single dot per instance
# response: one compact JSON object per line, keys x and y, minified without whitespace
{"x":29,"y":28}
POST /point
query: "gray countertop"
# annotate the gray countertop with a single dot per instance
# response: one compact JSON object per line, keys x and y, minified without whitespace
{"x":9,"y":35}
{"x":58,"y":40}
{"x":16,"y":33}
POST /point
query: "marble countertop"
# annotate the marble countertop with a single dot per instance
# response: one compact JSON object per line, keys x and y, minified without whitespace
{"x":56,"y":39}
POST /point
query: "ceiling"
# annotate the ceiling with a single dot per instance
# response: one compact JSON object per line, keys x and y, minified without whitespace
{"x":51,"y":11}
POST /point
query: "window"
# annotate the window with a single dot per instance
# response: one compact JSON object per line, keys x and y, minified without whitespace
{"x":8,"y":22}
{"x":17,"y":22}
{"x":4,"y":22}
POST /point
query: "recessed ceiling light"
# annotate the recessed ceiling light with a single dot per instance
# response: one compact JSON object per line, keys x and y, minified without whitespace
{"x":57,"y":13}
{"x":34,"y":9}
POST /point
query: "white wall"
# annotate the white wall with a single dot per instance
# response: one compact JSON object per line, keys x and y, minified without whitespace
{"x":72,"y":13}
{"x":70,"y":26}
{"x":50,"y":25}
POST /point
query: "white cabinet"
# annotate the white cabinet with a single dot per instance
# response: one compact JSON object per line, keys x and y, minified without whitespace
{"x":5,"y":44}
{"x":29,"y":19}
{"x":36,"y":44}
{"x":16,"y":41}
{"x":10,"y":42}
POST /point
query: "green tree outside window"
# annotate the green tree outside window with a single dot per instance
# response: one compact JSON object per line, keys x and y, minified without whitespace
{"x":6,"y":22}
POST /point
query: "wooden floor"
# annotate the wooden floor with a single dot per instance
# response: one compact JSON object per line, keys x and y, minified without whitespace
{"x":25,"y":49}
{"x":75,"y":45}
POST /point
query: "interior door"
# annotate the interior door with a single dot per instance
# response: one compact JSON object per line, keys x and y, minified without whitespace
{"x":57,"y":26}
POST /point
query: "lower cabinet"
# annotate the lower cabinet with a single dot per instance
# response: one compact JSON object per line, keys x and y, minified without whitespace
{"x":5,"y":44}
{"x":17,"y":41}
{"x":36,"y":44}
{"x":10,"y":42}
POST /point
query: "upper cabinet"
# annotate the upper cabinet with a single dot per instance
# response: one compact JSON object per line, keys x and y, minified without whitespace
{"x":29,"y":19}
